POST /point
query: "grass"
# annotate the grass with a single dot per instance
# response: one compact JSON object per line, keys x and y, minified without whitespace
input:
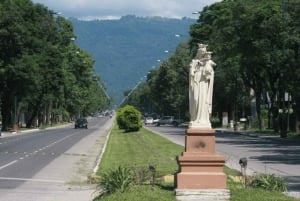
{"x":143,"y":148}
{"x":140,"y":149}
{"x":240,"y":193}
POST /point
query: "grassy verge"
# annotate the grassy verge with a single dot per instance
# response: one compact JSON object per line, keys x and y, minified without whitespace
{"x":142,"y":148}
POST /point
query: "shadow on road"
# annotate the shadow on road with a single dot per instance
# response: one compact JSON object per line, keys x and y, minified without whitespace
{"x":272,"y":150}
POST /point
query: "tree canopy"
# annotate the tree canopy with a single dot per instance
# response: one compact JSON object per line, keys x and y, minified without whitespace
{"x":43,"y":73}
{"x":256,"y":47}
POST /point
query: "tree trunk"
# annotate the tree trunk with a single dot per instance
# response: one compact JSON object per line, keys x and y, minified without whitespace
{"x":6,"y":112}
{"x":36,"y":107}
{"x":258,"y":110}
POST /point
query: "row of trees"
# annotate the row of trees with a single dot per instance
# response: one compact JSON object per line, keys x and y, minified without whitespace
{"x":256,"y":47}
{"x":43,"y":73}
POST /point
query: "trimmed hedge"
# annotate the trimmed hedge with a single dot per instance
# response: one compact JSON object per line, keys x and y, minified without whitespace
{"x":129,"y":118}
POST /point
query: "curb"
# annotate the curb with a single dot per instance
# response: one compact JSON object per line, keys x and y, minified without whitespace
{"x":21,"y":132}
{"x":103,"y":149}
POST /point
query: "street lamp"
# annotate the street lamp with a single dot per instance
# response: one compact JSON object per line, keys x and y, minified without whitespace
{"x":152,"y":169}
{"x":179,"y":35}
{"x":132,"y":90}
{"x":243,"y":163}
{"x":196,"y":12}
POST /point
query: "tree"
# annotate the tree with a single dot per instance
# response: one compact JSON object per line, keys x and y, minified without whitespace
{"x":42,"y":71}
{"x":169,"y":84}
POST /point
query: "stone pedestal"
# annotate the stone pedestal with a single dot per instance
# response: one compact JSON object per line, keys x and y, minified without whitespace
{"x":201,"y":175}
{"x":202,"y":195}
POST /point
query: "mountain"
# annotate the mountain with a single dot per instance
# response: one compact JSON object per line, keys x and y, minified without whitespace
{"x":125,"y":50}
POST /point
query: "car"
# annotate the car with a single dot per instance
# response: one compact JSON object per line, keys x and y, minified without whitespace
{"x":81,"y":123}
{"x":155,"y":121}
{"x":168,"y":120}
{"x":148,"y":120}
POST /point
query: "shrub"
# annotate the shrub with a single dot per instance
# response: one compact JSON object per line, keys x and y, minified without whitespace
{"x":120,"y":179}
{"x":116,"y":180}
{"x":140,"y":174}
{"x":268,"y":182}
{"x":129,"y":118}
{"x":215,"y":122}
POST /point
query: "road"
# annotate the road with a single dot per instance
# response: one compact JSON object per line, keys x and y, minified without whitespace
{"x":51,"y":164}
{"x":265,"y":154}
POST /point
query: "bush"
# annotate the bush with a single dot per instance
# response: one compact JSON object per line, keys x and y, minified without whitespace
{"x":215,"y":122}
{"x":268,"y":182}
{"x":120,"y":179}
{"x":141,"y":174}
{"x":115,"y":180}
{"x":129,"y":118}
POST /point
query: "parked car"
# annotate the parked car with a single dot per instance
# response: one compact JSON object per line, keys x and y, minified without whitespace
{"x":81,"y":123}
{"x":168,"y":120}
{"x":155,"y":121}
{"x":148,"y":120}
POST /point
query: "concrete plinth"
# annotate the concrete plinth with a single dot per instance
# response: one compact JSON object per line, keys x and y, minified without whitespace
{"x":201,"y":175}
{"x":203,"y":195}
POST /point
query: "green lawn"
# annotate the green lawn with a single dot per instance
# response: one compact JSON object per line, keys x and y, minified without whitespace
{"x":139,"y":149}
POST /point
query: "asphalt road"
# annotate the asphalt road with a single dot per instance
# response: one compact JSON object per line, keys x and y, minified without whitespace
{"x":51,"y":164}
{"x":265,"y":154}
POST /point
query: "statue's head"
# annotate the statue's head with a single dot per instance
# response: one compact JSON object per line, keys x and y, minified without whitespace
{"x":200,"y":45}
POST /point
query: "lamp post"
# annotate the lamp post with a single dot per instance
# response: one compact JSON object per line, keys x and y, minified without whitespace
{"x":243,"y":163}
{"x":196,"y":12}
{"x":131,"y":91}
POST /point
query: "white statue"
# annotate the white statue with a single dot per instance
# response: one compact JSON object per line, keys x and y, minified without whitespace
{"x":201,"y":88}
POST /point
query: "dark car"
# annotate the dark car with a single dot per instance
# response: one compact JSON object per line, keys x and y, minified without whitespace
{"x":81,"y":123}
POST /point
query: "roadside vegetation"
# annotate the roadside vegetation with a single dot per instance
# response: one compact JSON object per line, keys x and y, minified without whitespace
{"x":256,"y":47}
{"x":44,"y":76}
{"x":125,"y":171}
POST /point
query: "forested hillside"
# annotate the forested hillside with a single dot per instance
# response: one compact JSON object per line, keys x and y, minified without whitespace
{"x":126,"y":49}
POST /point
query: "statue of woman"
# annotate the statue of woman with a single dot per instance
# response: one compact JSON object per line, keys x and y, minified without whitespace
{"x":193,"y":88}
{"x":201,"y":88}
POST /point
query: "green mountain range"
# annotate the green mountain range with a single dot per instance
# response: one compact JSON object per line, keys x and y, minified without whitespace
{"x":125,"y":50}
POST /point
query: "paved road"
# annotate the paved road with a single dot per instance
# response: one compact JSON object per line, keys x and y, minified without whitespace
{"x":265,"y":154}
{"x":52,"y":164}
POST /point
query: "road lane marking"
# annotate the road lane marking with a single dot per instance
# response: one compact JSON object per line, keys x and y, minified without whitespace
{"x":8,"y":164}
{"x":32,"y":180}
{"x":35,"y":152}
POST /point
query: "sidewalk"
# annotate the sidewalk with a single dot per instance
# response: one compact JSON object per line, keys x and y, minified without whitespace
{"x":22,"y":131}
{"x":9,"y":134}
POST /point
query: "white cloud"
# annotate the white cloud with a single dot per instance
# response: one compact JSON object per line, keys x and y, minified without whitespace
{"x":112,"y":9}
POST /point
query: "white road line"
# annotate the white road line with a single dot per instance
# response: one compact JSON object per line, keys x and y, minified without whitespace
{"x":8,"y":164}
{"x":32,"y":180}
{"x":50,"y":145}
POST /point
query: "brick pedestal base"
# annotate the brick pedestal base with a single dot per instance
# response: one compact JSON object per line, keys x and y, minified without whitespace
{"x":200,"y":167}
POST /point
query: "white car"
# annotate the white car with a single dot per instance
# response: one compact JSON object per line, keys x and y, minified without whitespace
{"x":148,"y":120}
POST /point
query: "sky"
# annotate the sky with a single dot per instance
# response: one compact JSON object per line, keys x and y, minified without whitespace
{"x":114,"y":9}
